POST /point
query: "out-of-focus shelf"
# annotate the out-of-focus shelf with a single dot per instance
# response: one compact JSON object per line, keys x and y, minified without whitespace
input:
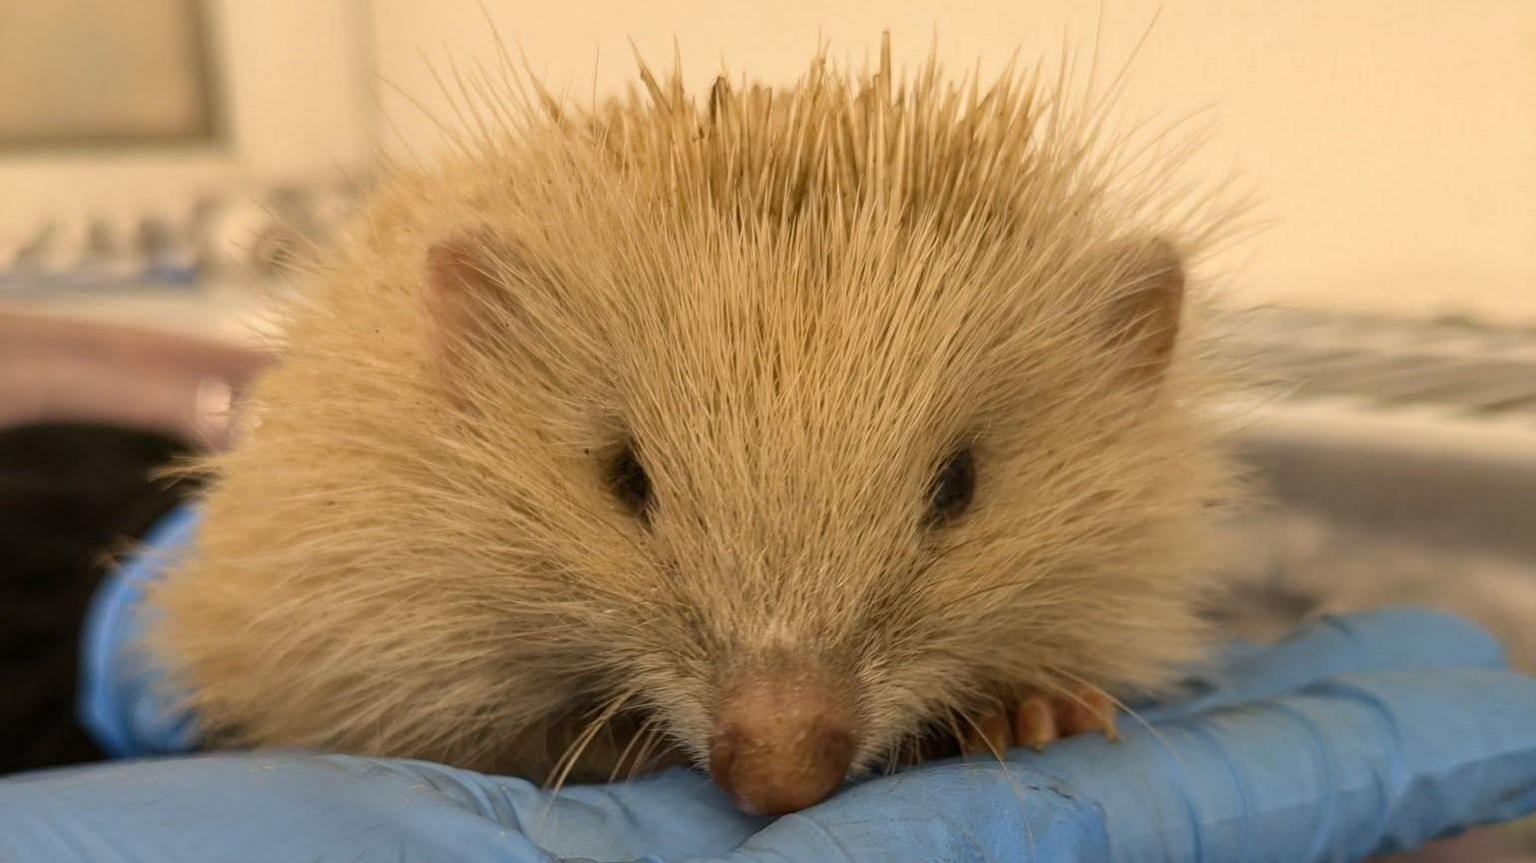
{"x":1418,"y":371}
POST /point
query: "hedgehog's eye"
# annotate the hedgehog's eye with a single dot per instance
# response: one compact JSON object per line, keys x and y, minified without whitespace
{"x":629,"y":483}
{"x":953,"y":487}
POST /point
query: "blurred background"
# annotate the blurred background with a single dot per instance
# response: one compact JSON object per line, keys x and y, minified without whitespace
{"x":162,"y":161}
{"x":1391,"y":142}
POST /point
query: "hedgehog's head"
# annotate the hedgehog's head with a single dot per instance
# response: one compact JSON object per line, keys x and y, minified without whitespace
{"x":803,"y":495}
{"x":784,"y":433}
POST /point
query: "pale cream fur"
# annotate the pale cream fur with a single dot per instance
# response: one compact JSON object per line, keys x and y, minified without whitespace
{"x":796,"y":303}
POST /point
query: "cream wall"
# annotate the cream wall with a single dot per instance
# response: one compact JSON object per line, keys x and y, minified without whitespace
{"x":1393,"y":141}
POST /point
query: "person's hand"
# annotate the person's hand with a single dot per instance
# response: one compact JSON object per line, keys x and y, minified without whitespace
{"x":1362,"y":735}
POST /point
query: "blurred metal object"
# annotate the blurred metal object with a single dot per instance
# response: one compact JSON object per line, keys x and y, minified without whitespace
{"x":211,"y":412}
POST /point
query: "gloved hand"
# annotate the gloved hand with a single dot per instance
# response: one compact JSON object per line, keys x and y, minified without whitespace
{"x":1362,"y":734}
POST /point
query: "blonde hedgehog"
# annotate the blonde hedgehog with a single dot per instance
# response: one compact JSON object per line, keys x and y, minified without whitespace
{"x":788,"y":433}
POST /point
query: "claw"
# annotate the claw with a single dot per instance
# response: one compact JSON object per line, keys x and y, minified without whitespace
{"x":1034,"y":722}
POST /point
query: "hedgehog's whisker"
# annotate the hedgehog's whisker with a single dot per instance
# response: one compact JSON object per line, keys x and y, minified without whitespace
{"x":642,"y":758}
{"x":1012,"y":780}
{"x":578,"y":747}
{"x":641,"y":732}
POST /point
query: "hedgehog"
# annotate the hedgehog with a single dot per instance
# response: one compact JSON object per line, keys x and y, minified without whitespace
{"x":791,"y":433}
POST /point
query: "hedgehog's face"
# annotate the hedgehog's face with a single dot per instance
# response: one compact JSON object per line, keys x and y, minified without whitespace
{"x":819,"y":508}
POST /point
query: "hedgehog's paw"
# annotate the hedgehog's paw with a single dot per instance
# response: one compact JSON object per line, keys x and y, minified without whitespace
{"x":1036,"y":719}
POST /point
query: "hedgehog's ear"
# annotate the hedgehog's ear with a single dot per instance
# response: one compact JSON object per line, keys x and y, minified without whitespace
{"x":1148,"y":303}
{"x":457,"y":289}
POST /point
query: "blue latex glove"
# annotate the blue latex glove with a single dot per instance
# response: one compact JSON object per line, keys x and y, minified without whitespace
{"x":1363,"y":734}
{"x":123,"y":700}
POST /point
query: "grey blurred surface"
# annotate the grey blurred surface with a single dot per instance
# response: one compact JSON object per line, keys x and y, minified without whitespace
{"x":1400,"y":463}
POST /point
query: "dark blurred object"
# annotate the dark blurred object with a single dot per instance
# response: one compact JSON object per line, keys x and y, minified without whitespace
{"x":88,"y":412}
{"x":70,"y":497}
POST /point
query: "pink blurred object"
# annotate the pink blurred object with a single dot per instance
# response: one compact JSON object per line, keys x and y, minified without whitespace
{"x":60,"y":370}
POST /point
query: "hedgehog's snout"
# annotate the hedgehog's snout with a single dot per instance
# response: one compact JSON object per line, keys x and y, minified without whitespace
{"x":781,"y":743}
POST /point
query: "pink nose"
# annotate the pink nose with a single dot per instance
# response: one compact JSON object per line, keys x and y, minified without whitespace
{"x":781,"y":745}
